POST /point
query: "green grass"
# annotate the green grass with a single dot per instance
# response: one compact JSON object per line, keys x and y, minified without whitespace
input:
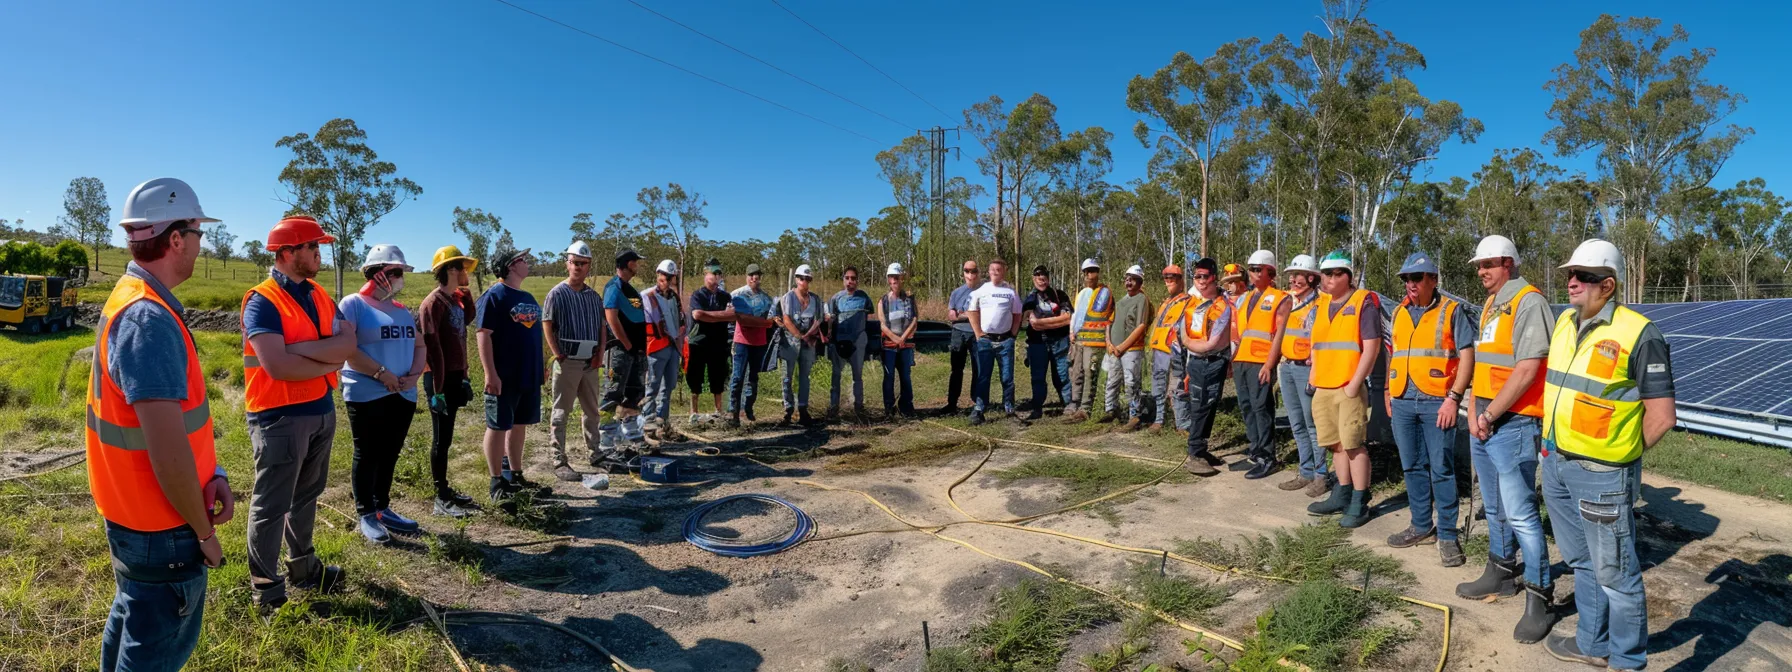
{"x":1028,"y":630}
{"x":1186,"y":599}
{"x":1323,"y":616}
{"x":1135,"y":640}
{"x":1084,"y":477}
{"x":1302,"y":553}
{"x":1742,"y":468}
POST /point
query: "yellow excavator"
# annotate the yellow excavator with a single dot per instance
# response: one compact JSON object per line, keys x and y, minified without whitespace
{"x":37,"y":303}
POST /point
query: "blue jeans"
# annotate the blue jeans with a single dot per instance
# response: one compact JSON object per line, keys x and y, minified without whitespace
{"x":1590,"y":510}
{"x":1507,"y":465}
{"x":897,"y":363}
{"x":1049,"y":356}
{"x":990,"y":354}
{"x":1300,"y":418}
{"x":663,"y":372}
{"x":1428,"y":456}
{"x":160,"y":600}
{"x":743,"y":383}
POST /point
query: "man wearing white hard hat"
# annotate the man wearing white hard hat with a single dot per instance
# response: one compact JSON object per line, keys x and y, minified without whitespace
{"x":1092,"y":311}
{"x":1125,"y":363}
{"x":801,"y":316}
{"x":1295,"y":368}
{"x":1504,"y":422}
{"x":1608,"y":396}
{"x":573,"y":317}
{"x":666,"y":324}
{"x":899,"y":317}
{"x":1262,"y":320}
{"x":156,"y":485}
{"x":379,"y":389}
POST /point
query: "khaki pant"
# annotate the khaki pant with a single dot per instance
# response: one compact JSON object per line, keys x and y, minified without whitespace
{"x":1085,"y":373}
{"x":576,"y":381}
{"x":1340,"y":420}
{"x":292,"y":467}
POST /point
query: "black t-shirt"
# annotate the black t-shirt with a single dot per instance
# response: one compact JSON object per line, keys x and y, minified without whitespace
{"x":1050,"y":303}
{"x":706,"y":299}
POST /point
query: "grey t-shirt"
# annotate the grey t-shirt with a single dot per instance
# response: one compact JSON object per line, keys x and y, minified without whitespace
{"x":898,"y":312}
{"x":960,"y":300}
{"x":1129,"y":312}
{"x":151,"y":340}
{"x":1531,"y":323}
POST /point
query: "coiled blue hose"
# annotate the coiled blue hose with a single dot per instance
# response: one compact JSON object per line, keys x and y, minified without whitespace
{"x":736,"y":548}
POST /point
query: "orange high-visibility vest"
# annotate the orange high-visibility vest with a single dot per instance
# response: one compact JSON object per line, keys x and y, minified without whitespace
{"x":118,"y":471}
{"x":1257,"y":330}
{"x":1197,"y":320}
{"x":657,"y":338}
{"x":261,"y":391}
{"x":1237,"y":309}
{"x":1098,"y":313}
{"x":1163,"y":331}
{"x":1337,"y":341}
{"x":1495,"y":356}
{"x":1426,"y":353}
{"x":1297,"y":343}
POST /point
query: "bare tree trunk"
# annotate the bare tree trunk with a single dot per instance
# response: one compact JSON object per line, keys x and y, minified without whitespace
{"x":996,"y":233}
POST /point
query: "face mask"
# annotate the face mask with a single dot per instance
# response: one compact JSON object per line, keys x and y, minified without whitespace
{"x":382,"y":288}
{"x":392,"y":289}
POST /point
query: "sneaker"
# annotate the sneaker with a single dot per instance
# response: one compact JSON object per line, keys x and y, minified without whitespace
{"x":456,"y":497}
{"x":1450,"y":552}
{"x":396,"y":523}
{"x":1411,"y":537}
{"x":567,"y":473}
{"x":373,"y":530}
{"x":1567,"y":649}
{"x":450,"y":508}
{"x":1320,"y":487}
{"x":265,"y":609}
{"x":1296,"y":483}
{"x":329,"y":580}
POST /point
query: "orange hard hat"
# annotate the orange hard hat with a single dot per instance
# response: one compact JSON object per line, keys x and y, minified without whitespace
{"x":297,"y":230}
{"x":1173,"y":269}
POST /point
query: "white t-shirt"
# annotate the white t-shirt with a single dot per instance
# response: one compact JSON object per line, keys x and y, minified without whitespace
{"x":997,"y":307}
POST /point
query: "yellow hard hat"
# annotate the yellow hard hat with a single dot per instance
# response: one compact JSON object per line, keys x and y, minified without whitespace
{"x":451,"y":253}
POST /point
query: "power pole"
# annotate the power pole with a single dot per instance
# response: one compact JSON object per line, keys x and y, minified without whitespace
{"x":934,"y":254}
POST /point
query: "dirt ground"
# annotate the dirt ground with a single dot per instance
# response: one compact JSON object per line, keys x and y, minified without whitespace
{"x":1717,"y":567}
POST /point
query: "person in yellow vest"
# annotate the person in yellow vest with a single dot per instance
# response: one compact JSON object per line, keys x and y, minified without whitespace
{"x":1206,"y":336}
{"x":1167,"y":361}
{"x":1124,"y":365}
{"x":1505,"y":435}
{"x":150,"y":460}
{"x":1346,"y":340}
{"x":1608,"y":395}
{"x":1092,"y":312}
{"x":1428,"y":373}
{"x":294,"y":346}
{"x":1295,"y":368}
{"x":1262,"y":324}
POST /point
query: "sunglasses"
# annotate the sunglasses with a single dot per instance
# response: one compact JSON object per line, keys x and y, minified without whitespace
{"x":197,"y":233}
{"x":1412,"y":277}
{"x":1333,"y":272}
{"x":1489,"y":264}
{"x":1172,"y":276}
{"x":970,"y":270}
{"x":1258,"y":269}
{"x":1587,"y":277}
{"x":1203,"y":276}
{"x":579,"y":264}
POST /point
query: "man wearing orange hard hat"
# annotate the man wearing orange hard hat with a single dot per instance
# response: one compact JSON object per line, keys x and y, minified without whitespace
{"x":293,"y":348}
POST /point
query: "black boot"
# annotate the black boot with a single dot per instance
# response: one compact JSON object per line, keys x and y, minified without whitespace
{"x":1340,"y":498}
{"x":1538,"y":618}
{"x":1500,"y":578}
{"x":1357,"y":512}
{"x":802,"y":414}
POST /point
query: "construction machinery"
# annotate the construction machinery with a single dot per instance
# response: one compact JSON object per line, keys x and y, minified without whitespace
{"x":37,"y":303}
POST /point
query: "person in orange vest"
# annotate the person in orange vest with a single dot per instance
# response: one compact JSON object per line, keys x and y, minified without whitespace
{"x":1262,"y":319}
{"x":1346,"y":340}
{"x":1428,"y":373}
{"x":1295,"y":368}
{"x":1206,"y":335}
{"x":150,"y":460}
{"x":1504,"y":425}
{"x":1232,"y":280}
{"x":1167,"y":361}
{"x":294,"y":346}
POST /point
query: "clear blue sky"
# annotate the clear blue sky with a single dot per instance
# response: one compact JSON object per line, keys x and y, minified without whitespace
{"x":487,"y":107}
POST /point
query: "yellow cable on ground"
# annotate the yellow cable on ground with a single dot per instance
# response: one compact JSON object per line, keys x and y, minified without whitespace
{"x":1047,"y":446}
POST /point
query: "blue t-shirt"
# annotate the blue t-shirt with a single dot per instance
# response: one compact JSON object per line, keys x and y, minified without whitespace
{"x":152,"y":341}
{"x":386,"y":332}
{"x":960,"y":300}
{"x":848,"y":311}
{"x":514,"y":318}
{"x":623,"y":297}
{"x":261,"y":317}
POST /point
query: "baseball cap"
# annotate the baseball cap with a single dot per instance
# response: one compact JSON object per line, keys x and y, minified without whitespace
{"x":625,"y":255}
{"x":1040,"y":270}
{"x":1207,"y":264}
{"x":753,"y":269}
{"x":714,"y":265}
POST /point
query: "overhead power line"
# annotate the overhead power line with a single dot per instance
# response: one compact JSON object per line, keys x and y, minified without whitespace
{"x":683,"y":69}
{"x":855,"y":54}
{"x":768,"y":64}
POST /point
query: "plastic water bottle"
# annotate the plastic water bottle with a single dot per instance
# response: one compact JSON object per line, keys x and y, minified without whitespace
{"x":598,"y":481}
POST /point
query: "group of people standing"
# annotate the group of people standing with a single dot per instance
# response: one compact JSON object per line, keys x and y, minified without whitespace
{"x":1581,"y":395}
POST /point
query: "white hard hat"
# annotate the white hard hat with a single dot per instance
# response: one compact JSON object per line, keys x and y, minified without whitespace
{"x":1090,"y":265}
{"x":895,"y":269}
{"x":1302,"y":263}
{"x":1599,"y":256}
{"x":1495,"y":247}
{"x":1262,"y":258}
{"x":803,"y":271}
{"x":1337,"y":259}
{"x":668,"y":266}
{"x":1135,"y":269}
{"x":578,"y":248}
{"x":385,"y":254}
{"x":155,"y":204}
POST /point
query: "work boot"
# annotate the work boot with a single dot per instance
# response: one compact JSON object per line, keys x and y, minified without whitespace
{"x":1567,"y":649}
{"x":734,"y":420}
{"x":1321,"y":485}
{"x":1357,"y":513}
{"x":750,"y":417}
{"x":1263,"y":469}
{"x":1335,"y":504}
{"x":1450,"y":553}
{"x":1130,"y":426}
{"x":1499,"y":578}
{"x":1110,"y":418}
{"x":1200,"y":467}
{"x":787,"y":413}
{"x":566,"y":473}
{"x":1538,"y":617}
{"x":1296,"y":483}
{"x":1412,"y":536}
{"x":1075,"y":417}
{"x":803,"y":416}
{"x":976,"y":419}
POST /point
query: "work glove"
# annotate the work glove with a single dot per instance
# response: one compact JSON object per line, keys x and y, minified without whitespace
{"x":438,"y":403}
{"x":466,"y":392}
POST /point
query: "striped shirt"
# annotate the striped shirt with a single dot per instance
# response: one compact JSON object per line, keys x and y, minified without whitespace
{"x":577,"y":315}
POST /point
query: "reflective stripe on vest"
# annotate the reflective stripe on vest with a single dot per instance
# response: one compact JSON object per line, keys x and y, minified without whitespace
{"x":1592,"y":408}
{"x":119,"y":473}
{"x":1297,"y":343}
{"x":1434,"y":367}
{"x":1098,"y":313}
{"x":1495,"y":355}
{"x":1337,"y":340}
{"x":1169,"y":316}
{"x":1208,"y":312}
{"x":1258,"y":319}
{"x":261,"y":391}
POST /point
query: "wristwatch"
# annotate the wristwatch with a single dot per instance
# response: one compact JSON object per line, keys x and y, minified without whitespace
{"x":1454,"y":396}
{"x":380,"y":372}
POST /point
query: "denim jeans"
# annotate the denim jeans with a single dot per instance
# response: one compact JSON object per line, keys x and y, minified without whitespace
{"x":743,"y":383}
{"x":1428,"y":456}
{"x":897,"y":363}
{"x":1507,"y":466}
{"x":1257,"y":404}
{"x":798,"y":360}
{"x":839,"y":365}
{"x":160,"y":601}
{"x":991,"y":354}
{"x":1300,"y":418}
{"x":1050,"y":356}
{"x":1169,"y":396}
{"x":663,"y":369}
{"x":1590,"y":510}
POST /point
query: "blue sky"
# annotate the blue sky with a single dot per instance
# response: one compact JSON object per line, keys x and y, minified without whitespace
{"x":487,"y":107}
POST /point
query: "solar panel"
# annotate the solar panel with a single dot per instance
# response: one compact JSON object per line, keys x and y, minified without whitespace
{"x":1732,"y":362}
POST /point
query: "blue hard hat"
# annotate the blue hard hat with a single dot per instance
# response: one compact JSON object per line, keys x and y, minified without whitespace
{"x":1419,"y":262}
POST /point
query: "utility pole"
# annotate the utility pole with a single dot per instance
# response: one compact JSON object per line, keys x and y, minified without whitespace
{"x":934,"y":253}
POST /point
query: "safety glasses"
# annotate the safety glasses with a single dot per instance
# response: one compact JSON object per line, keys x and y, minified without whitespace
{"x":1333,"y":272}
{"x":1202,"y":276}
{"x":1587,"y":277}
{"x":1412,"y":277}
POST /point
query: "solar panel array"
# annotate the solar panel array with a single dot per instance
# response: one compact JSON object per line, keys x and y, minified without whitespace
{"x":1734,"y":355}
